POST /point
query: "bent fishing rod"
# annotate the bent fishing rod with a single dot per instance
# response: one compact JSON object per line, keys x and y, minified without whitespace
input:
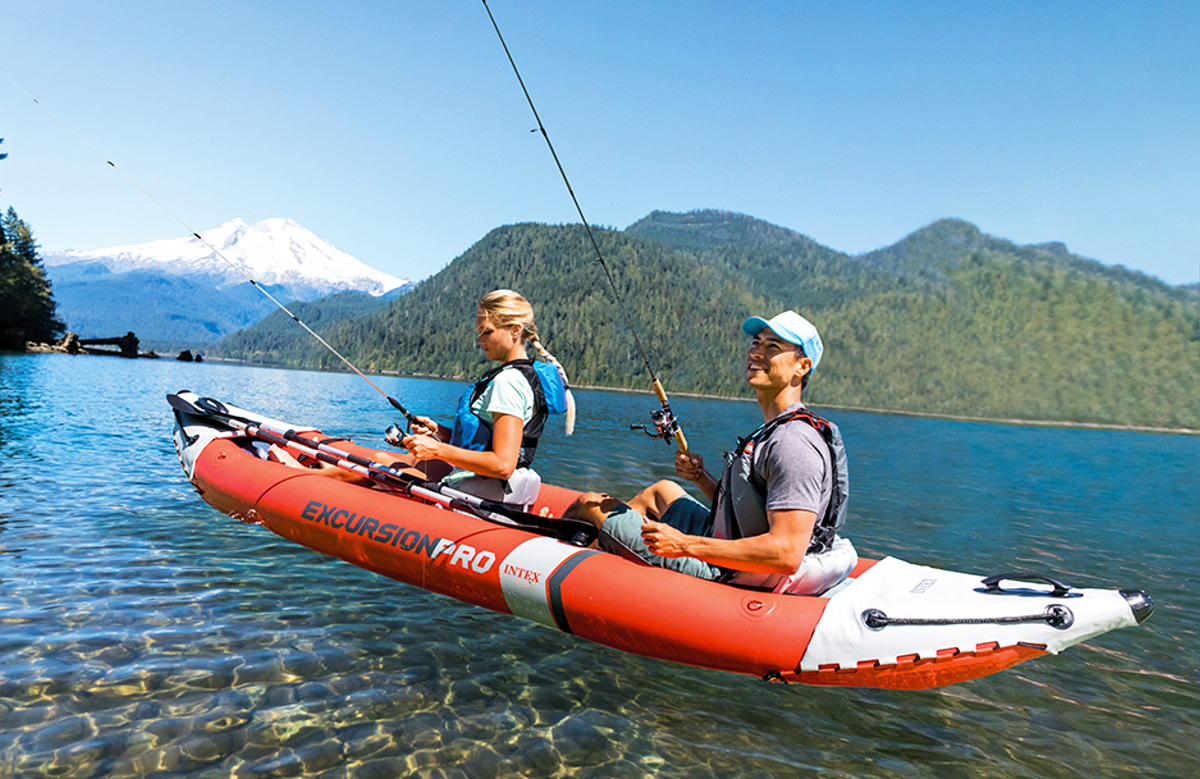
{"x":665,"y":423}
{"x":217,"y":252}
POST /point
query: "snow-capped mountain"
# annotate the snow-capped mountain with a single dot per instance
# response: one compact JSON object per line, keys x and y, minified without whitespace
{"x":180,"y":292}
{"x":276,"y":252}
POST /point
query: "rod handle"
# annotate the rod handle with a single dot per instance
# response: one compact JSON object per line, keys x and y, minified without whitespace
{"x":680,"y":439}
{"x":681,"y":442}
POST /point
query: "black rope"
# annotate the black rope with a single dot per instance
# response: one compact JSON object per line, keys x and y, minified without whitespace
{"x":1056,"y":616}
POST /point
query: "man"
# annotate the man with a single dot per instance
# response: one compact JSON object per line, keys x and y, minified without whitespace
{"x":781,"y":497}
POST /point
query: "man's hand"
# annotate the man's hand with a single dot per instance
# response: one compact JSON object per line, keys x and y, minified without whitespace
{"x":664,"y":540}
{"x":689,"y":466}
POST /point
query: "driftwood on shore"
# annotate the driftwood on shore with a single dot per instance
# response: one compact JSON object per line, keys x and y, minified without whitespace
{"x":127,"y":346}
{"x":68,"y":345}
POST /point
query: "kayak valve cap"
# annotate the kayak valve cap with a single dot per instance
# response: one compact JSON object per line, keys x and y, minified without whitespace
{"x":1140,"y":602}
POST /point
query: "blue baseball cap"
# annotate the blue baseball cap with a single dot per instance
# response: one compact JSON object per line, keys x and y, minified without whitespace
{"x":792,"y":328}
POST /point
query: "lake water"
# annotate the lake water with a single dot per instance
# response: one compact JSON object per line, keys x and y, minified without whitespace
{"x":144,"y":634}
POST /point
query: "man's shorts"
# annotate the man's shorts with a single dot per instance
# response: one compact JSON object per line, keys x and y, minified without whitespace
{"x":688,"y":515}
{"x":622,"y":534}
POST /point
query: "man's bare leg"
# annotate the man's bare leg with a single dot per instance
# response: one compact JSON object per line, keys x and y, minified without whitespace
{"x":653,"y":501}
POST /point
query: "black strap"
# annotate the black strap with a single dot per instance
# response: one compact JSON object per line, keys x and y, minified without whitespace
{"x":821,"y":534}
{"x":532,"y":431}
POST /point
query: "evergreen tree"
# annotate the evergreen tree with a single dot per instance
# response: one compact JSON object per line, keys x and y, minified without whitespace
{"x":27,"y":310}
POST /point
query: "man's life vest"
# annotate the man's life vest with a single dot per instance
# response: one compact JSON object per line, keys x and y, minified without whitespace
{"x":549,"y":397}
{"x":739,"y":511}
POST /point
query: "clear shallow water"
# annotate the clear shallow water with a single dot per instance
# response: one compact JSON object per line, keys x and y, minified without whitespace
{"x":144,"y":634}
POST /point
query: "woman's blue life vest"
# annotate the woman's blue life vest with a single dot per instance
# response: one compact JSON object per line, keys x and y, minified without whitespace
{"x":740,"y":509}
{"x":549,"y":397}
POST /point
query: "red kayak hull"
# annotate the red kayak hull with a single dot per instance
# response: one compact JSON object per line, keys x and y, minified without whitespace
{"x":594,"y":595}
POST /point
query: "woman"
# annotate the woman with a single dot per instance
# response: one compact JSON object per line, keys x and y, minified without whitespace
{"x":488,"y":451}
{"x":499,"y":419}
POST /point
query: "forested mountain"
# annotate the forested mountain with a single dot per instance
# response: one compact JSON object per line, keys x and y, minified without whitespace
{"x":279,"y":340}
{"x":167,"y":312}
{"x":948,"y":320}
{"x":709,"y":229}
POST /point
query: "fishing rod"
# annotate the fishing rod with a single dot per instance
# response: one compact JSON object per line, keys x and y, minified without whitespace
{"x":576,"y":531}
{"x":665,"y":423}
{"x":395,"y":403}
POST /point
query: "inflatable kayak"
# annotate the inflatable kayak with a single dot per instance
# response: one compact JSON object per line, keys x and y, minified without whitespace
{"x":892,"y":624}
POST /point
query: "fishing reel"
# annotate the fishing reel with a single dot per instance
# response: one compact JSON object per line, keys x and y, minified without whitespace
{"x":394,"y":435}
{"x":665,"y":425}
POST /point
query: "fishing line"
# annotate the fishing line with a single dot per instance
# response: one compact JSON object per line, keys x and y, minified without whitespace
{"x":395,"y":403}
{"x":664,"y":420}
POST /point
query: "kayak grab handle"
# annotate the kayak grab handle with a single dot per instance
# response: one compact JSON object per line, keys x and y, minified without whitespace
{"x":212,"y":406}
{"x":991,"y":585}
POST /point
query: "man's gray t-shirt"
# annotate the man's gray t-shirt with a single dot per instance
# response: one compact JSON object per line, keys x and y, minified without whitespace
{"x":794,"y":462}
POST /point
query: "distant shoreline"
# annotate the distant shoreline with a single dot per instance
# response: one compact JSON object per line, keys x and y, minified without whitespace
{"x":1014,"y":421}
{"x":928,"y":414}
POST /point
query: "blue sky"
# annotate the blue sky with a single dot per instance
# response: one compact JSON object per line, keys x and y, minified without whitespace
{"x":397,"y":131}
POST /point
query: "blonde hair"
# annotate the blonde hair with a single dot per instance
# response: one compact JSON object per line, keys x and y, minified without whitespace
{"x":504,"y":308}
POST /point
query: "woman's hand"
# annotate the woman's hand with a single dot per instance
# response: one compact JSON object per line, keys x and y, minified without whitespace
{"x":425,"y":426}
{"x":422,"y":447}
